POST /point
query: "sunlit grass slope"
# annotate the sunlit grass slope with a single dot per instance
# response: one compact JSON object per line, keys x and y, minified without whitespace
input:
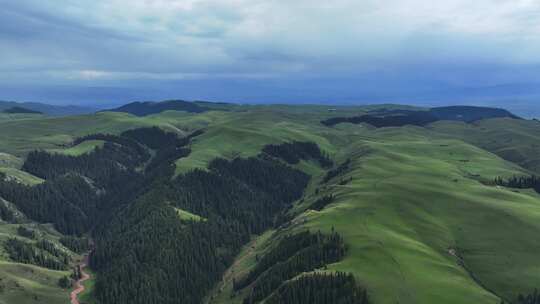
{"x":10,"y":166}
{"x":245,"y":133}
{"x":82,"y":148}
{"x":20,"y":136}
{"x":27,"y":284}
{"x":421,"y":225}
{"x":21,"y":176}
{"x":411,"y":202}
{"x":19,"y":116}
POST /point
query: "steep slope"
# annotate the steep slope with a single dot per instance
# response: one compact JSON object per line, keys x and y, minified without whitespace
{"x":413,"y":211}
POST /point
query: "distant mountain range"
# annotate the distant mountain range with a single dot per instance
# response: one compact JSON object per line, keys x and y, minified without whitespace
{"x":48,"y":109}
{"x":144,"y":108}
{"x":521,"y":98}
{"x":398,"y":118}
{"x":390,"y":117}
{"x":20,"y":110}
{"x":149,"y":107}
{"x":469,"y":113}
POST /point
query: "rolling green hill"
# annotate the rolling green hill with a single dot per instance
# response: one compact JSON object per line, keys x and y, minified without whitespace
{"x":416,"y":206}
{"x":22,"y":136}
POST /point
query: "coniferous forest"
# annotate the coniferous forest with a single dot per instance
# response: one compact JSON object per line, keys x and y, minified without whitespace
{"x":533,"y":298}
{"x":234,"y":207}
{"x":126,"y":197}
{"x":320,"y":288}
{"x":294,"y":255}
{"x":294,"y":151}
{"x":43,"y":254}
{"x":520,"y":182}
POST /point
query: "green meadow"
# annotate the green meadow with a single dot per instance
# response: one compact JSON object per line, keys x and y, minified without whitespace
{"x":10,"y":165}
{"x":82,"y":148}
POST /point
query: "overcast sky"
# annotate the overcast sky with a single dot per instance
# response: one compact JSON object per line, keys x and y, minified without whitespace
{"x":108,"y":51}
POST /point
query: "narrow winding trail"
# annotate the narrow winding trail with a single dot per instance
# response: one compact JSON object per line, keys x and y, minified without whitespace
{"x":79,"y":284}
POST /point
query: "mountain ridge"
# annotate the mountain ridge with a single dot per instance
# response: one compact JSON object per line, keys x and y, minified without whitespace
{"x":49,"y":109}
{"x":144,"y":108}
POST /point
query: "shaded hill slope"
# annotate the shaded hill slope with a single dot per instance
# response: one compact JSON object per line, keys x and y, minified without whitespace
{"x":470,"y":113}
{"x":514,"y":140}
{"x":398,"y":118}
{"x":149,"y":108}
{"x":20,"y":110}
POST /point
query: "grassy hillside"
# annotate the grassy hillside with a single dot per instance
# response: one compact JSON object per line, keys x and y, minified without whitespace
{"x":188,"y":216}
{"x":416,"y":211}
{"x":10,"y":161}
{"x":411,"y":203}
{"x":244,"y":134}
{"x":10,"y":165}
{"x":514,"y":140}
{"x":82,"y":148}
{"x":22,"y":136}
{"x":19,"y":116}
{"x":27,"y":284}
{"x":421,"y":224}
{"x":22,"y":283}
{"x":21,"y":176}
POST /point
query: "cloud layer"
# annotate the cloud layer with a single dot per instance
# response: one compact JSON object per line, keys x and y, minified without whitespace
{"x":416,"y":45}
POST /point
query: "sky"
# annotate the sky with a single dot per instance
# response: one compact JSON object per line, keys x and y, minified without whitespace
{"x":259,"y":51}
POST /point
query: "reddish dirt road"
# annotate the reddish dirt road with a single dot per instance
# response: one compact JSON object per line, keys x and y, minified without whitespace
{"x":78,"y":285}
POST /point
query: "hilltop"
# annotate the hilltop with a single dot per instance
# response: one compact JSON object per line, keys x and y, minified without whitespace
{"x":149,"y":108}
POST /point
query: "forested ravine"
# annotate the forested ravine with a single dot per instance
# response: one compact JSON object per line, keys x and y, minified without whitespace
{"x":125,"y":196}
